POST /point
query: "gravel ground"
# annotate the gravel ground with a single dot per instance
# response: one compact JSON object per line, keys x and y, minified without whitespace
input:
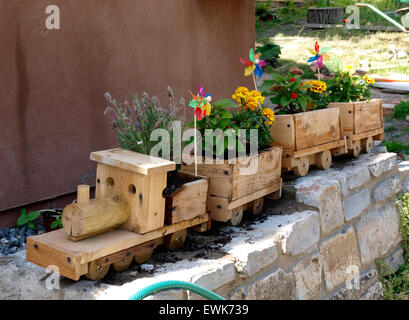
{"x":13,"y":240}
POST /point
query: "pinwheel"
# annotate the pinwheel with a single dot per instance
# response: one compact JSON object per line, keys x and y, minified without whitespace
{"x":201,"y":103}
{"x":319,"y":56}
{"x":254,"y":65}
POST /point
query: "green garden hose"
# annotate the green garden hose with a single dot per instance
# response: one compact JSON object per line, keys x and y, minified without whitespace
{"x":174,"y":284}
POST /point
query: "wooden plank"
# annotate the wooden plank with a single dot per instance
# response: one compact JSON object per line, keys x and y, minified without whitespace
{"x":320,"y":148}
{"x":133,"y":161}
{"x":139,"y":249}
{"x":364,"y":135}
{"x":267,"y":172}
{"x":347,"y":115}
{"x":219,"y":208}
{"x":45,"y":255}
{"x":220,"y":177}
{"x":316,"y":128}
{"x":189,"y":201}
{"x":101,"y":245}
{"x":283,"y":131}
{"x":367,"y":115}
{"x":144,"y":194}
{"x":256,"y":195}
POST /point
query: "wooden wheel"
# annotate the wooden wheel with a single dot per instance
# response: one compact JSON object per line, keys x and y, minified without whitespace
{"x":236,"y":216}
{"x":123,"y":264}
{"x":143,"y":256}
{"x":324,"y":160}
{"x":96,"y":272}
{"x":257,"y":206}
{"x":356,"y":149}
{"x":302,"y":168}
{"x":367,"y":144}
{"x":175,"y":240}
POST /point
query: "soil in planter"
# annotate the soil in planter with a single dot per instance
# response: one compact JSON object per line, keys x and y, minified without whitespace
{"x":174,"y":182}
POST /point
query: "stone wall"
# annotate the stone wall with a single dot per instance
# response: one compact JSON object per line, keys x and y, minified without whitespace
{"x":326,"y":252}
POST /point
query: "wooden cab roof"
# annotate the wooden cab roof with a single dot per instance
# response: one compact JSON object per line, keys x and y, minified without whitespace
{"x":133,"y":161}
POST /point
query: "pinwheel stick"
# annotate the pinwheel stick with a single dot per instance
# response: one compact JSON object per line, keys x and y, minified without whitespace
{"x":195,"y":148}
{"x":255,"y":86}
{"x":319,"y":75}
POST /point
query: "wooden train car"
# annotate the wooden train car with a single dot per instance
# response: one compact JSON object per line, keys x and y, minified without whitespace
{"x":313,"y":138}
{"x":235,"y":187}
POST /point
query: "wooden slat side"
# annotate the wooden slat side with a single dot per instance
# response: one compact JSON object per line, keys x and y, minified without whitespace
{"x":256,"y":195}
{"x":267,"y":171}
{"x":190,"y":201}
{"x":368,"y":116}
{"x":283,"y":132}
{"x":219,"y":208}
{"x":57,"y":247}
{"x":45,"y":255}
{"x":133,"y":161}
{"x":319,"y":148}
{"x":316,"y":127}
{"x":220,"y":177}
{"x":346,"y":114}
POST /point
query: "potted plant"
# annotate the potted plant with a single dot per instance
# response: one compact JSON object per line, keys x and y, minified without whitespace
{"x":308,"y":131}
{"x":231,"y":191}
{"x":360,"y":116}
{"x":134,"y":124}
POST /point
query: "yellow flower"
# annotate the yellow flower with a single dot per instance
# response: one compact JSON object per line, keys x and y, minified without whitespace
{"x":316,"y":86}
{"x":350,"y":69}
{"x":269,"y":114}
{"x":241,"y":93}
{"x":369,"y":80}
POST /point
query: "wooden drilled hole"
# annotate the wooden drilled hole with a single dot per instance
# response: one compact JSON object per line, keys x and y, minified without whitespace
{"x":132,"y":189}
{"x":110,"y":181}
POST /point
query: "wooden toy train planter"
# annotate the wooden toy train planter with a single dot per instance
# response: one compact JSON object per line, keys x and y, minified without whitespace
{"x":314,"y":137}
{"x":235,"y":187}
{"x":128,"y":218}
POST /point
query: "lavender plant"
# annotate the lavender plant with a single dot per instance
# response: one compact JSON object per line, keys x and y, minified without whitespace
{"x":135,"y":122}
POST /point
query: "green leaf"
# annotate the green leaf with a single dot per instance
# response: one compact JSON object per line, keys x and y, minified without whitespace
{"x":225,"y":115}
{"x":222,"y":124}
{"x":31,"y":225}
{"x":225,"y":103}
{"x":276,"y":77}
{"x":303,"y":102}
{"x":55,"y":224}
{"x":285,"y":101}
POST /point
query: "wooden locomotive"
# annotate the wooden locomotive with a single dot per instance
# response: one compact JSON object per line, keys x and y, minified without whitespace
{"x":127,"y":220}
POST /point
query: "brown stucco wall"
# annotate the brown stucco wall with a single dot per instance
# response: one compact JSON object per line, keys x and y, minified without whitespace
{"x":52,"y":81}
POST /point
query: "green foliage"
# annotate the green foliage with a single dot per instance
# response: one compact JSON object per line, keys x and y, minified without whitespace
{"x":27,"y":218}
{"x":220,"y":118}
{"x":403,"y":207}
{"x":57,"y":223}
{"x":397,"y":147}
{"x":346,"y":88}
{"x":135,"y":123}
{"x":401,"y":110}
{"x":287,"y":93}
{"x":396,"y":286}
{"x":269,"y":51}
{"x":254,"y":119}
